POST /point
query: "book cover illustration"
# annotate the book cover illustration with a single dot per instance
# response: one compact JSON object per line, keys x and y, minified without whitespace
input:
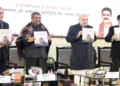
{"x":88,"y":35}
{"x":41,"y":38}
{"x":5,"y":36}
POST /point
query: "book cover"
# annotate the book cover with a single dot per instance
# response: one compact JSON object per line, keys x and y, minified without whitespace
{"x":5,"y":36}
{"x":41,"y":38}
{"x":117,"y":32}
{"x":88,"y":35}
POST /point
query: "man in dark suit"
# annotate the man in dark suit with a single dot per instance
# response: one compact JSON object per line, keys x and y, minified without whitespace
{"x":115,"y":48}
{"x":3,"y":49}
{"x":35,"y":56}
{"x":82,"y":53}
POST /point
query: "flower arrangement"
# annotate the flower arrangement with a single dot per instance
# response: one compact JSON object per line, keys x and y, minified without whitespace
{"x":34,"y":71}
{"x":99,"y":71}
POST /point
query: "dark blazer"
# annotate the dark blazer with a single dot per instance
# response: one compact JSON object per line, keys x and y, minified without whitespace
{"x":82,"y":53}
{"x":115,"y":47}
{"x":4,"y":25}
{"x":4,"y":52}
{"x":30,"y":50}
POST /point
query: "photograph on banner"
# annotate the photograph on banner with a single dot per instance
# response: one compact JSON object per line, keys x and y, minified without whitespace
{"x":106,"y":14}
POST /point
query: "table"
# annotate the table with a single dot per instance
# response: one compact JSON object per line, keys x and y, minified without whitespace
{"x":99,"y":79}
{"x":45,"y":79}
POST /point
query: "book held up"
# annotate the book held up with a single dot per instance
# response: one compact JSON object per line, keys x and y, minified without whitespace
{"x":88,"y":35}
{"x":5,"y":36}
{"x":41,"y":38}
{"x":117,"y":32}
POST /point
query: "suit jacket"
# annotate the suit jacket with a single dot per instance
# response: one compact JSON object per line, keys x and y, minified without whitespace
{"x":115,"y":47}
{"x":82,"y":53}
{"x":4,"y":52}
{"x":4,"y":25}
{"x":30,"y":51}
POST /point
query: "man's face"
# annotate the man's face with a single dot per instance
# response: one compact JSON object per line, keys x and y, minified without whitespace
{"x":83,"y":20}
{"x":1,"y":14}
{"x":106,"y":16}
{"x":36,"y":19}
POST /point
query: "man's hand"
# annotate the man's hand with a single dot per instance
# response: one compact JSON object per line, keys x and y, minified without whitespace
{"x":1,"y":46}
{"x":79,"y":34}
{"x":50,"y":37}
{"x":31,"y":39}
{"x":114,"y":37}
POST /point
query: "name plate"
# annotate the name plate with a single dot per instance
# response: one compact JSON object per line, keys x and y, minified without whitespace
{"x":112,"y":75}
{"x":5,"y":79}
{"x":76,"y":80}
{"x":46,"y":77}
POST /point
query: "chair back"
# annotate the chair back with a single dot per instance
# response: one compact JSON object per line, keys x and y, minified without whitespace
{"x":104,"y":56}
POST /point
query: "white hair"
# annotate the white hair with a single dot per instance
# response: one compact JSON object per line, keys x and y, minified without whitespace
{"x":84,"y":14}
